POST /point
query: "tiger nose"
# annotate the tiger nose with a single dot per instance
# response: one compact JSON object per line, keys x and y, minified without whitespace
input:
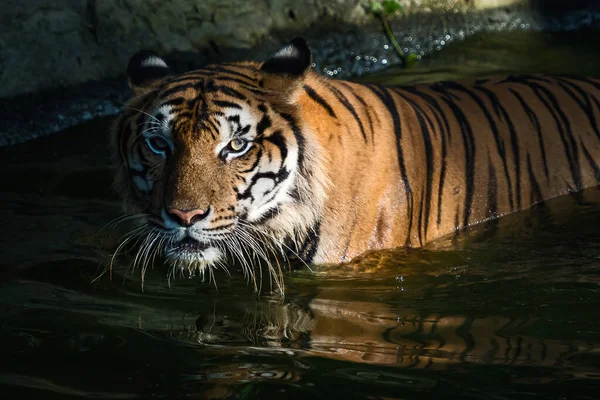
{"x":187,"y":217}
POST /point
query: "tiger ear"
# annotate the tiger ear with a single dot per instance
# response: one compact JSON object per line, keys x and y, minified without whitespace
{"x":285,"y":70}
{"x":145,"y":68}
{"x":292,"y":60}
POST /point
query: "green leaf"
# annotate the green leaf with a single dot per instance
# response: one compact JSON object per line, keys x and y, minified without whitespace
{"x":410,"y":60}
{"x":375,"y":8}
{"x":390,"y":6}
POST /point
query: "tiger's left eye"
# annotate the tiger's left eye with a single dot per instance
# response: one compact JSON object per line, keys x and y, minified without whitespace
{"x":157,"y":144}
{"x":235,"y":148}
{"x":237,"y":145}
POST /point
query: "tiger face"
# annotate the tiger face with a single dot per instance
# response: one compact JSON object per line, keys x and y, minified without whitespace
{"x":215,"y":161}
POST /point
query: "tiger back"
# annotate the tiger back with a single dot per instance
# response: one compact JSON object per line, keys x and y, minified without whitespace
{"x":430,"y":159}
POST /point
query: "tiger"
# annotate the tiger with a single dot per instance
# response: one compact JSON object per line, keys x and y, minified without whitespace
{"x":253,"y":163}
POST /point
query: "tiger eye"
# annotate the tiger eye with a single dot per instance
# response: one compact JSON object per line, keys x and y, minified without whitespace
{"x":237,"y":144}
{"x":157,"y":144}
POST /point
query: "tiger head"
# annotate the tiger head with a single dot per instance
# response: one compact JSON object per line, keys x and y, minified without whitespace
{"x":216,"y":163}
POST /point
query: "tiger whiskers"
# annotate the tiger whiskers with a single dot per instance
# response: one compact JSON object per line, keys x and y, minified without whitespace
{"x":152,"y":129}
{"x":154,"y":123}
{"x":162,"y":123}
{"x":270,"y":244}
{"x":244,"y":240}
{"x":280,"y":243}
{"x":122,"y":218}
{"x":135,"y":233}
{"x":149,"y":252}
{"x":238,"y":250}
{"x":251,"y":248}
{"x":152,"y":240}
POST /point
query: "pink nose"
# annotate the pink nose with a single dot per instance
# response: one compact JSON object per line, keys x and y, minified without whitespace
{"x":186,"y":217}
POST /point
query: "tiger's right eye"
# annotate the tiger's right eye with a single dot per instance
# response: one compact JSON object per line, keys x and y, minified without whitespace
{"x":157,"y":144}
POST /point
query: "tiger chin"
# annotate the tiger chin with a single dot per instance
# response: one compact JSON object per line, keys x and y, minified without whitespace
{"x":259,"y":163}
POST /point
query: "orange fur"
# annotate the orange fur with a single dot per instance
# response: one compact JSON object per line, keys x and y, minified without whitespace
{"x":362,"y":167}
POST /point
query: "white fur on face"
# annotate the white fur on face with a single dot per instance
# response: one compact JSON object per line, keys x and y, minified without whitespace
{"x":228,"y":132}
{"x":200,"y":261}
{"x":159,"y":122}
{"x":266,"y":193}
{"x":260,"y":207}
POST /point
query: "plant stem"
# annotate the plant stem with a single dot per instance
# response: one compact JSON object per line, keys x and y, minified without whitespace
{"x":390,"y":35}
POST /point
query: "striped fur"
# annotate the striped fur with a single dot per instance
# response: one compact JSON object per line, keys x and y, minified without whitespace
{"x":435,"y":158}
{"x":336,"y":168}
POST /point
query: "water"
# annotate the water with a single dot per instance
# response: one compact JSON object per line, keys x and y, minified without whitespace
{"x":507,"y":310}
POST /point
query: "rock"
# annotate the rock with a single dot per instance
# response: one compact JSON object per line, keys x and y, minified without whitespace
{"x":56,"y":43}
{"x":62,"y":61}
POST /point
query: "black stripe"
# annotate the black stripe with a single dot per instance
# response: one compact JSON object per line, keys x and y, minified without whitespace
{"x":591,"y":161}
{"x":445,"y":134}
{"x":278,"y":140}
{"x":514,"y":140}
{"x":468,"y":142}
{"x":259,"y":154}
{"x":267,"y":215}
{"x":366,"y":108}
{"x":174,"y":102}
{"x":226,"y":104}
{"x":299,"y":139}
{"x":214,"y":73}
{"x":209,"y":123}
{"x":492,"y":190}
{"x":421,"y":117}
{"x":186,"y":77}
{"x":219,"y":227}
{"x":585,"y":106}
{"x":256,"y":91}
{"x":264,"y":123}
{"x":224,"y":70}
{"x":319,"y":100}
{"x":229,"y":79}
{"x":342,"y":99}
{"x":420,"y":221}
{"x":311,"y":243}
{"x":387,"y":100}
{"x":585,"y":80}
{"x":276,"y":177}
{"x":201,"y":75}
{"x":230,"y":92}
{"x":562,"y":125}
{"x":538,"y":128}
{"x":493,"y":127}
{"x":179,"y":88}
{"x":536,"y":193}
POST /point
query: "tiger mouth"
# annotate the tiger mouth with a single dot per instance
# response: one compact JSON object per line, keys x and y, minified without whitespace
{"x":190,"y":245}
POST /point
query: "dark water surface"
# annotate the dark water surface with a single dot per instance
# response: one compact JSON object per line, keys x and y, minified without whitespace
{"x":508,"y":310}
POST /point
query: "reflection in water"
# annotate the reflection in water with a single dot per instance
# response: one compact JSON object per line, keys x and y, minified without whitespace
{"x":506,"y":308}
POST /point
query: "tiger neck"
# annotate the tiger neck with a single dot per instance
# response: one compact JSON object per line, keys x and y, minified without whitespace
{"x":296,"y":226}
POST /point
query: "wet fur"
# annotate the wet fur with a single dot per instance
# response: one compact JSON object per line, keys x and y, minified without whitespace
{"x":376,"y":167}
